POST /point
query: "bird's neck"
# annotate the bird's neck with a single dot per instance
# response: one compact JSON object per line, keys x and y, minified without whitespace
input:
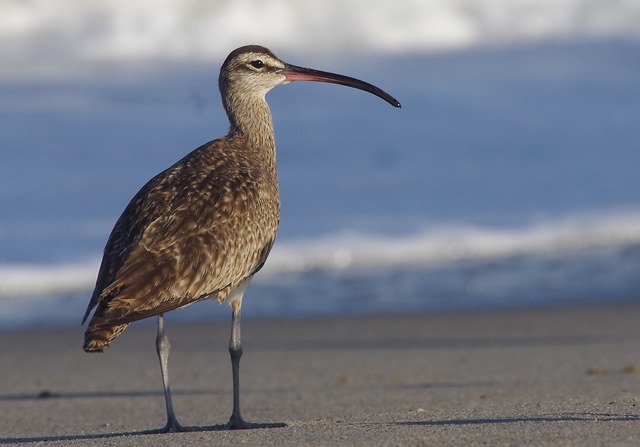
{"x":250,"y":118}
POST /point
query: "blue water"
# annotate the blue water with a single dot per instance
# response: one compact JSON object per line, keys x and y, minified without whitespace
{"x":508,"y":178}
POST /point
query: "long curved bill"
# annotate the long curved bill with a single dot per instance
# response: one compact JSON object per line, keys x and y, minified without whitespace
{"x":295,"y":73}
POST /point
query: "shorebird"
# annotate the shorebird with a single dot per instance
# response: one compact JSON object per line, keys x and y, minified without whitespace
{"x":203,"y":228}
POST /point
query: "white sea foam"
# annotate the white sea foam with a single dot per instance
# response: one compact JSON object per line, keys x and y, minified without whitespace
{"x":42,"y":279}
{"x":48,"y":32}
{"x":436,"y":246}
{"x":451,"y":243}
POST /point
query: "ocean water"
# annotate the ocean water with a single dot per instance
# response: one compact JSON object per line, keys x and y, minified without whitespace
{"x":509,"y":177}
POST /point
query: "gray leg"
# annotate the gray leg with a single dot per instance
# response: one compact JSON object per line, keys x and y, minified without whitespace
{"x":235,"y":350}
{"x":163,"y":347}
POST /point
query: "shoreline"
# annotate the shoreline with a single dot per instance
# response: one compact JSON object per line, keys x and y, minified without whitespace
{"x":566,"y":376}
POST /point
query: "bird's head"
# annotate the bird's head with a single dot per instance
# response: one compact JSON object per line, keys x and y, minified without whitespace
{"x":255,"y":69}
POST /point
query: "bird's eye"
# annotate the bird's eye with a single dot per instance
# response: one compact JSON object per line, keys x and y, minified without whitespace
{"x":257,"y":63}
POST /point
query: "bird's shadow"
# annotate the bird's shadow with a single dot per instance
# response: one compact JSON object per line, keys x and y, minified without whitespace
{"x":93,"y":436}
{"x":573,"y":417}
{"x":47,"y":394}
{"x":51,"y":394}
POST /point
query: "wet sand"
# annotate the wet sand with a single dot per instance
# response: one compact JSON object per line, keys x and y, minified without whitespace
{"x":567,"y":377}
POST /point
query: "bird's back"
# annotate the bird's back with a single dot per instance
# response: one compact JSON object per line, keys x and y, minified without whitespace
{"x":196,"y":230}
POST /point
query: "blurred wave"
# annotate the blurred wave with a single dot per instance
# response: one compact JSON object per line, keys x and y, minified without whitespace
{"x":49,"y":34}
{"x":352,"y":251}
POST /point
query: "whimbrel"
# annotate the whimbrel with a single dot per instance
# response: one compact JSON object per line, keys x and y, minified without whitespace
{"x":202,"y":228}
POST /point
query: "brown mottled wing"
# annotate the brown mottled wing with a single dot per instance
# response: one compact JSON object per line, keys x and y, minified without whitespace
{"x":194,"y":231}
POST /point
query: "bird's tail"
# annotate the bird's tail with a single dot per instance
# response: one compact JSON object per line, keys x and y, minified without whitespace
{"x":97,"y":337}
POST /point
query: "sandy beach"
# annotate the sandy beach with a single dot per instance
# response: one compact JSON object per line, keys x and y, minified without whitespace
{"x":552,"y":377}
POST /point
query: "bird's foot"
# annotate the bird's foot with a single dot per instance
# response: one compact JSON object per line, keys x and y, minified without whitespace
{"x":237,"y":423}
{"x":172,"y":426}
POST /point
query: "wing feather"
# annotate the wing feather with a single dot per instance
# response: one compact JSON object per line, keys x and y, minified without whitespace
{"x":194,"y":231}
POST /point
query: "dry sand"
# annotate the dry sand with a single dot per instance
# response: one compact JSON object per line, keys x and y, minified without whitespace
{"x":563,"y":377}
